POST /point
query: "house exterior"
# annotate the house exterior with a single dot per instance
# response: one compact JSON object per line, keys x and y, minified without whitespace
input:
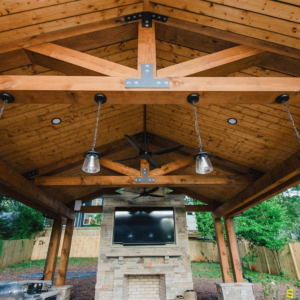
{"x":84,"y":219}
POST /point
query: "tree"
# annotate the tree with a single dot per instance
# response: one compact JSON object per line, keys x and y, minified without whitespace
{"x":264,"y":225}
{"x":18,"y":221}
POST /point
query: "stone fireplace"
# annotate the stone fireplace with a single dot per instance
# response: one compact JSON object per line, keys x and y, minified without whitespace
{"x":145,"y":272}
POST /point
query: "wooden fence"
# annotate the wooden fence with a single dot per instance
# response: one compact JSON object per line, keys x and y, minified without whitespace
{"x":86,"y":242}
{"x":15,"y":251}
{"x":266,"y":260}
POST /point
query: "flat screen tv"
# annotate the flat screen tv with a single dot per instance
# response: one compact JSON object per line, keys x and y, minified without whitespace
{"x":144,"y":226}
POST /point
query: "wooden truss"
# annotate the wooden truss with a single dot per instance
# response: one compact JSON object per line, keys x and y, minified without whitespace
{"x":89,"y":75}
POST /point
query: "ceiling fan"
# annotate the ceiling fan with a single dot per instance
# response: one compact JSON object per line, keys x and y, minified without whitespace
{"x":143,"y":153}
{"x":146,"y":194}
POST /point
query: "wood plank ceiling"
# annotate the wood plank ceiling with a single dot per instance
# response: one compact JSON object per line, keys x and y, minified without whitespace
{"x":262,"y":138}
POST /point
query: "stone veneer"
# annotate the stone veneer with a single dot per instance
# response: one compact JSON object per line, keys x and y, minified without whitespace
{"x":170,"y":264}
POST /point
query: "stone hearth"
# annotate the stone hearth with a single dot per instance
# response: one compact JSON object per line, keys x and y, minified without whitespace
{"x":145,"y":272}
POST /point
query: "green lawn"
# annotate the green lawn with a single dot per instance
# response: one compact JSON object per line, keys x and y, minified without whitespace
{"x":212,"y":270}
{"x":82,"y":261}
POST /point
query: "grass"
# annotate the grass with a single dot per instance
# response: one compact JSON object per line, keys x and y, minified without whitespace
{"x":212,"y":270}
{"x":76,"y":261}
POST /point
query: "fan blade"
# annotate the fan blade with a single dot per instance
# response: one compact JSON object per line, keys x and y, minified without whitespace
{"x":126,"y":158}
{"x":167,"y":150}
{"x":157,"y":196}
{"x":133,"y":143}
{"x":132,"y":192}
{"x":153,"y":190}
{"x":153,"y":163}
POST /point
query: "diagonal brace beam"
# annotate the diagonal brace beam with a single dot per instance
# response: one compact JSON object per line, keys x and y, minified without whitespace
{"x":72,"y":62}
{"x":221,"y":63}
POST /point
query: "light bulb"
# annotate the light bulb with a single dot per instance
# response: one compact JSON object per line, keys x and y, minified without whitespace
{"x":91,"y":162}
{"x":203,"y":164}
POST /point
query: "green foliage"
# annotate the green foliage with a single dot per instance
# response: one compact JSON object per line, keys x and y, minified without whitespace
{"x":263,"y":225}
{"x":23,"y":221}
{"x":213,"y":270}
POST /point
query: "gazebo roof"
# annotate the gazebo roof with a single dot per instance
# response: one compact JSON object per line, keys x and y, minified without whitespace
{"x":238,"y":41}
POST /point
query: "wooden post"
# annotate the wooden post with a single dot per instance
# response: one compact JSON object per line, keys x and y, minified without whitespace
{"x":233,"y":251}
{"x":65,"y":253}
{"x":53,"y":250}
{"x":222,"y":251}
{"x":294,"y":261}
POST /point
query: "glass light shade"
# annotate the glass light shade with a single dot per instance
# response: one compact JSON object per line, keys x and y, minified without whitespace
{"x":203,"y":164}
{"x":91,"y":163}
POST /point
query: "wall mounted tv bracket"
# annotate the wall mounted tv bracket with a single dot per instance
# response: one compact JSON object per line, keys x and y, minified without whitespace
{"x":147,"y":80}
{"x":146,"y":18}
{"x":144,"y":178}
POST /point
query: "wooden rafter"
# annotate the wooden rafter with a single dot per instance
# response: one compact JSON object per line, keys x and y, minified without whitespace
{"x":217,"y":64}
{"x":176,"y":19}
{"x":280,"y":175}
{"x":74,"y":63}
{"x":15,"y":181}
{"x":194,"y":195}
{"x":168,"y":180}
{"x":213,"y":90}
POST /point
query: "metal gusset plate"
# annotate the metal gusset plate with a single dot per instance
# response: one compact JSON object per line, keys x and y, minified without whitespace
{"x":144,"y":178}
{"x":147,"y":80}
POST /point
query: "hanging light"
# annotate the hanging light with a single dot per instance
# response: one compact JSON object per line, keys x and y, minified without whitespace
{"x":6,"y":98}
{"x":91,"y":162}
{"x":203,"y":163}
{"x":283,"y":99}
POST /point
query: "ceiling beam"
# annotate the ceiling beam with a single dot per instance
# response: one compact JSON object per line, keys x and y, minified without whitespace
{"x":190,"y":208}
{"x":226,"y":35}
{"x":16,"y":182}
{"x":221,"y":63}
{"x":213,"y":90}
{"x":168,"y":180}
{"x":277,"y":176}
{"x":173,"y":166}
{"x":4,"y":190}
{"x":271,"y":193}
{"x":75,"y":63}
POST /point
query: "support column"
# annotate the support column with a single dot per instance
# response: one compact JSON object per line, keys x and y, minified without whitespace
{"x":222,"y":251}
{"x":53,"y":250}
{"x":65,"y":253}
{"x":233,"y":251}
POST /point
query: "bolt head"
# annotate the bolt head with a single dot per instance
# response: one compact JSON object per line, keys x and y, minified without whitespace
{"x":100,"y":98}
{"x":7,"y":98}
{"x":282,"y":98}
{"x":193,"y":98}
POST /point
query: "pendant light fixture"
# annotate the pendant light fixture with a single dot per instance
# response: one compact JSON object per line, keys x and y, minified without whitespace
{"x":91,"y":162}
{"x":6,"y":98}
{"x":283,"y":99}
{"x":203,"y":163}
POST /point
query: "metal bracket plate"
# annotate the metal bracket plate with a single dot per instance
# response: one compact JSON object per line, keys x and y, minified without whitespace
{"x":141,"y":135}
{"x":146,"y":18}
{"x":144,"y":178}
{"x":147,"y":80}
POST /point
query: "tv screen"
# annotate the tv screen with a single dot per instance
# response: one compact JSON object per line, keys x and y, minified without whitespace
{"x":145,"y":226}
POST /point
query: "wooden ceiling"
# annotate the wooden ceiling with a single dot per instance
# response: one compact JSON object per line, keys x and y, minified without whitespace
{"x":262,"y":138}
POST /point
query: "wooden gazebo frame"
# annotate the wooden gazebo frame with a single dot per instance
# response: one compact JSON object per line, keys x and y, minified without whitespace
{"x":89,"y":75}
